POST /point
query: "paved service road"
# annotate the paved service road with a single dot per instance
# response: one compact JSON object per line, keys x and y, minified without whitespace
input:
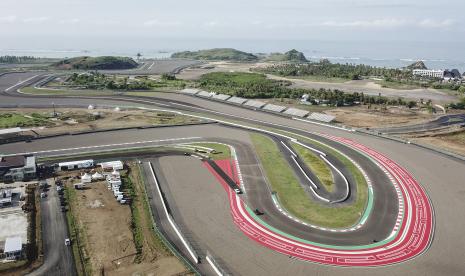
{"x":58,"y":258}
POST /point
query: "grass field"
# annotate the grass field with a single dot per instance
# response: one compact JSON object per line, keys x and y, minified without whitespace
{"x":221,"y":151}
{"x":293,"y":197}
{"x":9,"y":120}
{"x":317,"y":166}
{"x":320,"y":79}
{"x":33,"y":90}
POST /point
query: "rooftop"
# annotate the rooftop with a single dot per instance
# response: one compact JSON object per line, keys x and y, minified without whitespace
{"x":72,"y":163}
{"x":12,"y":161}
{"x":12,"y":130}
{"x":13,"y":244}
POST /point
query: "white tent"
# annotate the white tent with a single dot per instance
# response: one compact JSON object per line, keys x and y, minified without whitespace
{"x":115,"y":174}
{"x":97,"y":176}
{"x":86,"y":178}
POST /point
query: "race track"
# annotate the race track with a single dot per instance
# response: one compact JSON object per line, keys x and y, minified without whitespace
{"x":401,"y":227}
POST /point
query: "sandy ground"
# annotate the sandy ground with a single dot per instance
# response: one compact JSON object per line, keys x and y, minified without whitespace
{"x":366,"y":86}
{"x":194,"y":73}
{"x":454,"y":142}
{"x":109,"y":239}
{"x":13,"y":221}
{"x":376,"y":117}
{"x":107,"y":227}
{"x":109,"y":119}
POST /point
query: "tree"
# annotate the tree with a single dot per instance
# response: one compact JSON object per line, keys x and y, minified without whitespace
{"x":139,"y":55}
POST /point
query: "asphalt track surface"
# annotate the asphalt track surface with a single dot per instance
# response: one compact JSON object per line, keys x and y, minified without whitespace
{"x":445,"y":255}
{"x":156,"y":67}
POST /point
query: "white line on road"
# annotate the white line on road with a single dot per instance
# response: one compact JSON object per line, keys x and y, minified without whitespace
{"x":170,"y":220}
{"x":295,"y":155}
{"x":110,"y":145}
{"x":19,"y":83}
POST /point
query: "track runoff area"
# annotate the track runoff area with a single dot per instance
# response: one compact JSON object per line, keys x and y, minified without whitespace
{"x":410,"y":237}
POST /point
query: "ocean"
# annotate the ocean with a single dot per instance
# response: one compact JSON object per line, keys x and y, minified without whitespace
{"x":436,"y":55}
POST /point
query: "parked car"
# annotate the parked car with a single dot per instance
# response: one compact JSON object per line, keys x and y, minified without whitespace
{"x":43,"y":195}
{"x":237,"y":191}
{"x":67,"y":242}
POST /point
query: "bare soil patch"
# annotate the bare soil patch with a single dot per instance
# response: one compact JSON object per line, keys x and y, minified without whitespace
{"x":108,"y":237}
{"x":75,"y":119}
{"x":379,"y":117}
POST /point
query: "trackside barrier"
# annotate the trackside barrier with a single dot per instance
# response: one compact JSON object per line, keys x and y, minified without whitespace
{"x":217,"y":268}
{"x":195,"y":257}
{"x":160,"y":233}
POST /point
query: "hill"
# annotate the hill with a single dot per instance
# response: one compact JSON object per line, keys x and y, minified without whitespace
{"x":417,"y":65}
{"x":289,"y":56}
{"x":217,"y":54}
{"x":97,"y":63}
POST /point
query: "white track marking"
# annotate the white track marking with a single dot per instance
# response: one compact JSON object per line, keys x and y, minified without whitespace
{"x":170,"y":220}
{"x":19,"y":83}
{"x":293,"y":154}
{"x":109,"y":145}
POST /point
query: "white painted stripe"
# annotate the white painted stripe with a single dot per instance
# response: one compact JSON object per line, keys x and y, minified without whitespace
{"x":217,"y":271}
{"x":108,"y":145}
{"x":342,"y":175}
{"x":310,"y":148}
{"x":295,"y":155}
{"x":19,"y":83}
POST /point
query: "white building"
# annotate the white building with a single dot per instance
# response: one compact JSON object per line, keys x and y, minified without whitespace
{"x":438,"y":74}
{"x":5,"y":198}
{"x":112,"y":165}
{"x":73,"y":165}
{"x":13,"y":248}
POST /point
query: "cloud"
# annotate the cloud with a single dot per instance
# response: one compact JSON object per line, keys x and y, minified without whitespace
{"x":164,"y":23}
{"x":70,"y":21}
{"x":8,"y":19}
{"x":389,"y":23}
{"x":436,"y":24}
{"x":36,"y":19}
{"x":211,"y":24}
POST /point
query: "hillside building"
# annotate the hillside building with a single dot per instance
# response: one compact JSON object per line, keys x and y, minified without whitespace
{"x":436,"y":74}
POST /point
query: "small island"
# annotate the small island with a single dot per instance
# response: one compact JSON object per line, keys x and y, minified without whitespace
{"x":224,"y":54}
{"x":289,"y":56}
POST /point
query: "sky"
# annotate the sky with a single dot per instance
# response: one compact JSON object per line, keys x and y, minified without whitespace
{"x":114,"y":21}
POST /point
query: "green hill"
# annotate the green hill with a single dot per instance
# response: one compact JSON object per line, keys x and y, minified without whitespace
{"x":217,"y":54}
{"x":417,"y":65}
{"x":290,"y":56}
{"x":97,"y":63}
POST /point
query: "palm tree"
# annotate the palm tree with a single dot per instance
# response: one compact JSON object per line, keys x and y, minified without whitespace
{"x":139,"y":55}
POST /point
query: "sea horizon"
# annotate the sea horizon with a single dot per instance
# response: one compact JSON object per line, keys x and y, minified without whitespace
{"x":436,"y":55}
